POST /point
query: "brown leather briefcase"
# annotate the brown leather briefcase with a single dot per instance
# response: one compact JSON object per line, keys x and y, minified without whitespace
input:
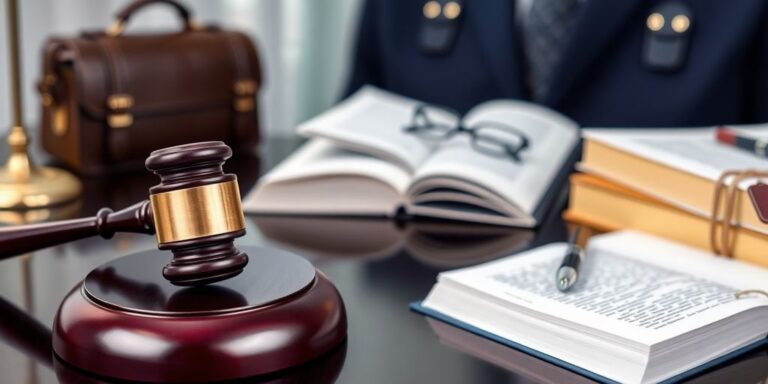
{"x":110,"y":98}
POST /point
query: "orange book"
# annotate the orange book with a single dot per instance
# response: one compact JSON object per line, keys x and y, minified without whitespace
{"x":679,"y":167}
{"x":606,"y":206}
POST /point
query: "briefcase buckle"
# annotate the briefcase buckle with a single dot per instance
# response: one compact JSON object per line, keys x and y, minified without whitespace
{"x":245,"y":91}
{"x":119,"y":106}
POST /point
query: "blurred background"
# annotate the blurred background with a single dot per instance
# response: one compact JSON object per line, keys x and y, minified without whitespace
{"x":305,"y":47}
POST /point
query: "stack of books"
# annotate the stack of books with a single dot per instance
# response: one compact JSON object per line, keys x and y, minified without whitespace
{"x":662,"y":182}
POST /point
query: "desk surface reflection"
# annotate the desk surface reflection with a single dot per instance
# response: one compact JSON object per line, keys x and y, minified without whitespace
{"x":379,"y":266}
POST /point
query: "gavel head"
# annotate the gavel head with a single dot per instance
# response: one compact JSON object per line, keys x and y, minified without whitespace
{"x":197,"y":213}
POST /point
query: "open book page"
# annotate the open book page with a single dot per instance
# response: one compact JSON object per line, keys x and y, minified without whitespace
{"x":632,"y":286}
{"x":372,"y":121}
{"x":321,"y":157}
{"x":551,"y":136}
{"x":693,"y":150}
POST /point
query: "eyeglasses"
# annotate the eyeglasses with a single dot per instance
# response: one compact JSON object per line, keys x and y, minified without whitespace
{"x":491,"y":138}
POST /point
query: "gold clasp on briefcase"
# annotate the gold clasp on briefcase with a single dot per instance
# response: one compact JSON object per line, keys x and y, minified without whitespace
{"x":119,"y":116}
{"x":59,"y":116}
{"x":245,"y":92}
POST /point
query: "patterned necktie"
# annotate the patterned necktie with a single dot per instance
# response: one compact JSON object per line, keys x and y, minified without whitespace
{"x":545,"y":31}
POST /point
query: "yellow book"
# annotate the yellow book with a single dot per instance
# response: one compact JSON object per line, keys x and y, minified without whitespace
{"x":605,"y":206}
{"x":679,"y":167}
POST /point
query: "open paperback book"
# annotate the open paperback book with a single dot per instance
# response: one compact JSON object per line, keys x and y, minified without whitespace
{"x":360,"y":161}
{"x":644,"y":310}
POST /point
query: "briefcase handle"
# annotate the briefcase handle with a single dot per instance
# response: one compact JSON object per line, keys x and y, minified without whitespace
{"x":117,"y":28}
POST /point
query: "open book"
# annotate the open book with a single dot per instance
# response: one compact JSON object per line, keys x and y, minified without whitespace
{"x":360,"y":161}
{"x":644,"y":309}
{"x":750,"y":367}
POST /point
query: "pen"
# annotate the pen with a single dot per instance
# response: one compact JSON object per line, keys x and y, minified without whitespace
{"x":730,"y":137}
{"x":568,"y":272}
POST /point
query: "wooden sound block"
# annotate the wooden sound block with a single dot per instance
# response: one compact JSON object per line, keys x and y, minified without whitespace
{"x":126,"y":321}
{"x":322,"y":370}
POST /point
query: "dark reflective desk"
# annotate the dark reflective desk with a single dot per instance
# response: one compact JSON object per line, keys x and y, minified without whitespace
{"x":379,"y":266}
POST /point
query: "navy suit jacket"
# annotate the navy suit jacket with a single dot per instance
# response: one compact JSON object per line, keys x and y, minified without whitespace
{"x":601,"y":80}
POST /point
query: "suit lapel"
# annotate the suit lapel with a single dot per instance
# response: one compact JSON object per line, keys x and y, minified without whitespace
{"x":598,"y":22}
{"x":493,"y":23}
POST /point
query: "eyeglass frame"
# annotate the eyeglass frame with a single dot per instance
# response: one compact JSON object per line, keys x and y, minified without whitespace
{"x":460,"y":127}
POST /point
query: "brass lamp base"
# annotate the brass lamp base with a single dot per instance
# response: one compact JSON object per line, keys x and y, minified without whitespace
{"x":45,"y":186}
{"x":24,"y":185}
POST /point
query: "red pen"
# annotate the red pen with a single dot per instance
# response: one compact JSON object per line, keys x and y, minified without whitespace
{"x":730,"y":137}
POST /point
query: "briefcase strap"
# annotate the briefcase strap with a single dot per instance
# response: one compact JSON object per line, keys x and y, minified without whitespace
{"x":122,"y":17}
{"x":119,"y":100}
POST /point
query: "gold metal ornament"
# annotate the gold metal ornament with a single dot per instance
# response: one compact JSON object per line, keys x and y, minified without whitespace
{"x":655,"y":21}
{"x":680,"y":23}
{"x":59,"y":119}
{"x":196,"y":212}
{"x":119,"y":116}
{"x":245,"y":95}
{"x":431,"y":9}
{"x":22,"y":184}
{"x":116,"y":29}
{"x":451,"y":10}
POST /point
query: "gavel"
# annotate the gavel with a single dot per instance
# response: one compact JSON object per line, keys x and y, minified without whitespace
{"x":194,"y":212}
{"x":211,"y":315}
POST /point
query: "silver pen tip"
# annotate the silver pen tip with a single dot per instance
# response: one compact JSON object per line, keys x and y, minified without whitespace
{"x":566,"y":278}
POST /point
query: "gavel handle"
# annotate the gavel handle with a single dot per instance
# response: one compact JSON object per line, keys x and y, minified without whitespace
{"x":26,"y":238}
